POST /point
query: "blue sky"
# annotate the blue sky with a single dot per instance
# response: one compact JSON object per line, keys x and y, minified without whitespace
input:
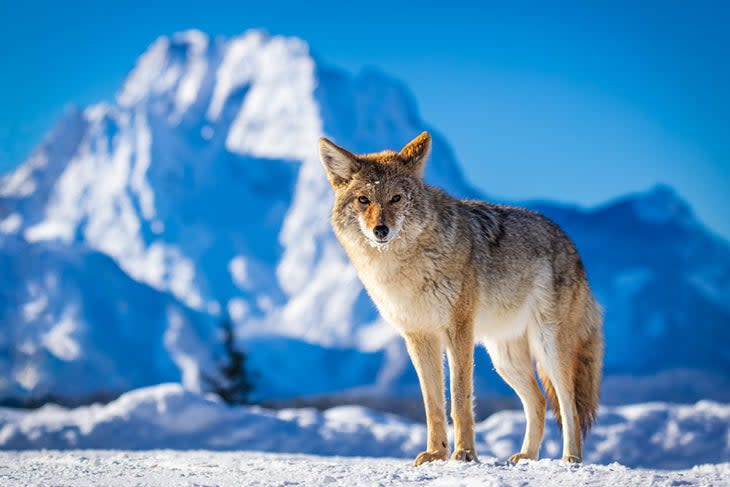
{"x":571,"y":102}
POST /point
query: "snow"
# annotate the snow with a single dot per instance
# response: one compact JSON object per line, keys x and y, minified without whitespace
{"x":146,"y":73}
{"x":11,"y":224}
{"x":138,"y":181}
{"x":20,"y":183}
{"x":235,"y":70}
{"x":164,"y":468}
{"x":239,"y":271}
{"x":60,"y":341}
{"x":189,"y":85}
{"x":28,"y":376}
{"x":216,"y":444}
{"x":651,"y":435}
{"x":279,"y":117}
{"x":237,"y":309}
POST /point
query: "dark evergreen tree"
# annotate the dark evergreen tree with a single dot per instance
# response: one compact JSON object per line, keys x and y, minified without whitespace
{"x":233,"y":383}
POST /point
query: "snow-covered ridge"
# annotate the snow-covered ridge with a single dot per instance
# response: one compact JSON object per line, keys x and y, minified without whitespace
{"x":654,"y":435}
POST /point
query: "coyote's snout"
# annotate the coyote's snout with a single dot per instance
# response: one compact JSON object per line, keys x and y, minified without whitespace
{"x":449,"y":273}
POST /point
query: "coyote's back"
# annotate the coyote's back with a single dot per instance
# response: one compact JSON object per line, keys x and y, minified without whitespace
{"x":448,"y":273}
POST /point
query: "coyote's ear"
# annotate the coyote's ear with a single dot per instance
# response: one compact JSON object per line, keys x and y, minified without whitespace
{"x":415,"y":153}
{"x":340,"y":164}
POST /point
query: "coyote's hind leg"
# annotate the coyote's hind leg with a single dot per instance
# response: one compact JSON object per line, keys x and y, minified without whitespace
{"x":512,"y":361}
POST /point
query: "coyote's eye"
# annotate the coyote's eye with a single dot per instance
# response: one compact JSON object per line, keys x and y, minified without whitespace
{"x":395,"y":199}
{"x":363,"y":200}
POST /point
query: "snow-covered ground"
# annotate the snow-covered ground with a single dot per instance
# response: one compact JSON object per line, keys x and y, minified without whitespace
{"x":629,"y":445}
{"x":179,"y":468}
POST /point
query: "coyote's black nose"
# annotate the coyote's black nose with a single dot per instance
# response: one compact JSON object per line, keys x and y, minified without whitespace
{"x":380,"y":231}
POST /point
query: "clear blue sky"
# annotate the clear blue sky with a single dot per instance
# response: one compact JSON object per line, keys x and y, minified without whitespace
{"x":570,"y":102}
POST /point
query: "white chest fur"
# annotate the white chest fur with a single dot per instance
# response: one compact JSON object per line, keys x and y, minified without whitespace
{"x":402,"y":294}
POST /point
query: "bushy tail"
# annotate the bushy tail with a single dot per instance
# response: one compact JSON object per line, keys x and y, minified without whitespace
{"x":589,"y":368}
{"x":587,"y":373}
{"x":550,"y":393}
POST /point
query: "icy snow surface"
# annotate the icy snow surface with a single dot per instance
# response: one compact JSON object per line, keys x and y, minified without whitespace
{"x":195,"y":468}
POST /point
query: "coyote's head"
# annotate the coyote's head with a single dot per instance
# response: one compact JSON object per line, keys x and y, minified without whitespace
{"x":378,"y":196}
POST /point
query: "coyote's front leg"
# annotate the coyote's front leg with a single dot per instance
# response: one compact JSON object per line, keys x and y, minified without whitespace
{"x":426,"y":351}
{"x":460,"y":350}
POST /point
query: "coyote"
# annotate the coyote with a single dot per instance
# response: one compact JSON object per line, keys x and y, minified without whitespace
{"x":447,"y":273}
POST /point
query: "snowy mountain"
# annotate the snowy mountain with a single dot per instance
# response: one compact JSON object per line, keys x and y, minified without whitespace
{"x":199,"y":192}
{"x":72,"y":323}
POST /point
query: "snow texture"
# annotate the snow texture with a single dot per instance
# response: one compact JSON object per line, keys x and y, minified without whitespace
{"x":199,"y":191}
{"x":195,"y":468}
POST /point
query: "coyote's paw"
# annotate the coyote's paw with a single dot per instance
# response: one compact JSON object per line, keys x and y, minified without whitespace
{"x":430,"y":456}
{"x":465,"y":456}
{"x":572,"y":459}
{"x":521,"y":456}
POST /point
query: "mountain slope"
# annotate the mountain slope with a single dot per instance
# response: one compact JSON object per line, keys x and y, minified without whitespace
{"x":76,"y":328}
{"x":202,"y":182}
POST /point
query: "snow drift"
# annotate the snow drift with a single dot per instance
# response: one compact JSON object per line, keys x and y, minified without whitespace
{"x":655,"y":435}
